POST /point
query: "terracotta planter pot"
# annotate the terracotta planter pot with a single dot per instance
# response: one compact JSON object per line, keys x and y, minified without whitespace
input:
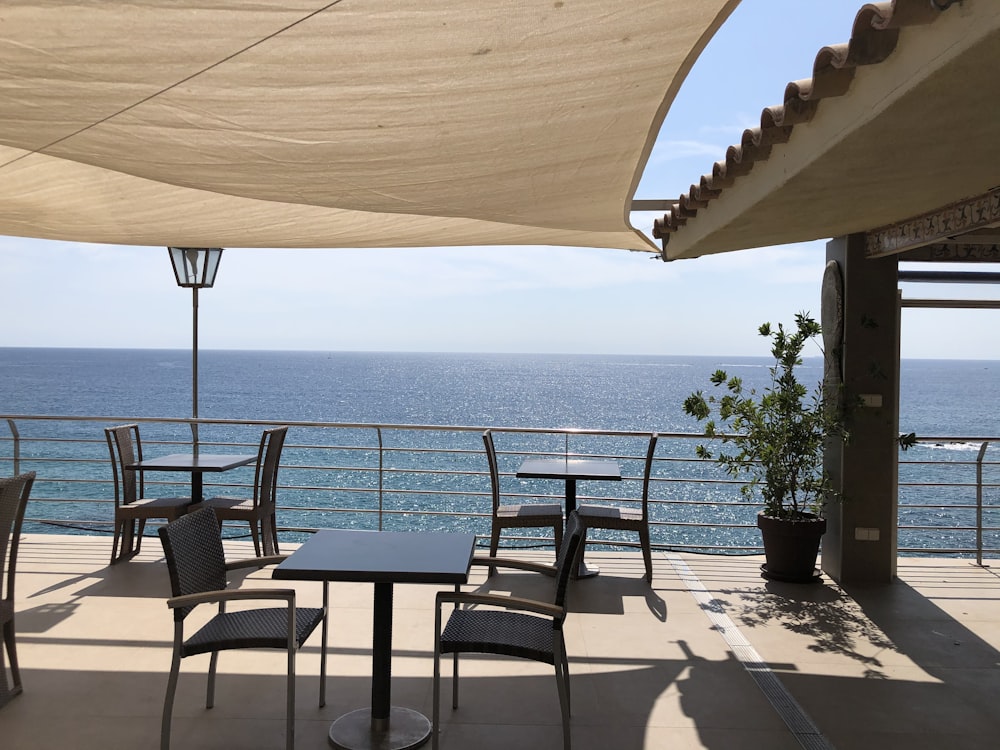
{"x":791,"y":547}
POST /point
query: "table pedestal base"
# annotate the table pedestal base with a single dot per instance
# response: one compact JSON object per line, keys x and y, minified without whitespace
{"x":406,"y":729}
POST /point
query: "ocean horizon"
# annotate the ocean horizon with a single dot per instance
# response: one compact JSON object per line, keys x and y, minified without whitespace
{"x":938,"y":397}
{"x":644,"y":393}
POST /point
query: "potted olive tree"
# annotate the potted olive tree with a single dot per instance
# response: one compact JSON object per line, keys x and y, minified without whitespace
{"x":777,"y":438}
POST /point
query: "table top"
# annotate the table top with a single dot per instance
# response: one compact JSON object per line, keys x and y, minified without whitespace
{"x":572,"y":468}
{"x":381,"y":557}
{"x":194,"y":463}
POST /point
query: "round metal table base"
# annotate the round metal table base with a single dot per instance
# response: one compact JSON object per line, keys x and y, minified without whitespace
{"x":406,"y":729}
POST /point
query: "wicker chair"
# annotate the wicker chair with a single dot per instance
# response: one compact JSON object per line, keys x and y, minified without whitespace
{"x":594,"y":516}
{"x":258,"y":511}
{"x":14,"y":493}
{"x":521,"y":515}
{"x":131,"y":504}
{"x":524,"y":628}
{"x":197,"y":566}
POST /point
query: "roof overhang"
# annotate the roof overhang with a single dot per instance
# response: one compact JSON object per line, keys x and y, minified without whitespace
{"x":900,"y":122}
{"x":380,"y":123}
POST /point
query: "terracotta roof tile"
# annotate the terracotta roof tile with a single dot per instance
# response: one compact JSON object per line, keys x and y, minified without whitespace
{"x":874,"y":37}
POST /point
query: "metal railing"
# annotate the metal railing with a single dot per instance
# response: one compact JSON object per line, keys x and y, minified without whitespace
{"x":949,"y":500}
{"x":391,"y":476}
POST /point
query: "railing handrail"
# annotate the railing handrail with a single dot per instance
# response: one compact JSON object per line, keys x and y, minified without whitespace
{"x":682,"y":475}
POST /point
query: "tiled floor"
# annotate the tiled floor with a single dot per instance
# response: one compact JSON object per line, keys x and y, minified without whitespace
{"x":911,"y":665}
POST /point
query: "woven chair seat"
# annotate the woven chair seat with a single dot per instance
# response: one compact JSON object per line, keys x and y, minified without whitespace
{"x":241,"y":504}
{"x":611,"y":516}
{"x":252,"y":628}
{"x":530,"y":509}
{"x":499,"y":632}
{"x":154,"y":507}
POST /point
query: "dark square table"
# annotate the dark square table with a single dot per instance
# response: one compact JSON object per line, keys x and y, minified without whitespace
{"x":383,"y":558}
{"x":195,"y":463}
{"x":571,"y":470}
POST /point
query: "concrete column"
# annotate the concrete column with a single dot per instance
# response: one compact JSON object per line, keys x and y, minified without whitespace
{"x":860,"y":542}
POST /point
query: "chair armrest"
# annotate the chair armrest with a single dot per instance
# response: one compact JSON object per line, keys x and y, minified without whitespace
{"x":255,"y":562}
{"x":506,"y":562}
{"x":508,"y":602}
{"x":226,"y":595}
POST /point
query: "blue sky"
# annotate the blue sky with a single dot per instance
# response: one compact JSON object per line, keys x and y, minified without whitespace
{"x":522,"y":299}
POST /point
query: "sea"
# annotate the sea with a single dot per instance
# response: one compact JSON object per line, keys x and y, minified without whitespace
{"x":938,"y":398}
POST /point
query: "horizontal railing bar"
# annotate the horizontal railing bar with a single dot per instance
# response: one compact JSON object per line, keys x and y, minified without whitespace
{"x":460,"y":479}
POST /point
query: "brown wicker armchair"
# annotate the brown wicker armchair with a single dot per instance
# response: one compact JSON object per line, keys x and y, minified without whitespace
{"x":197,"y":566}
{"x":259,"y":510}
{"x":131,"y":504}
{"x":596,"y":516}
{"x":520,"y":515}
{"x":523,"y":628}
{"x":14,"y":493}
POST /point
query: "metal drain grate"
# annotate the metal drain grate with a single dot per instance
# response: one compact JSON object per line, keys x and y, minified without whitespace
{"x":795,"y":718}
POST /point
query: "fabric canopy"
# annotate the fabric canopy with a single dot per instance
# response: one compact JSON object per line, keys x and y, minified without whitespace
{"x":374,"y":123}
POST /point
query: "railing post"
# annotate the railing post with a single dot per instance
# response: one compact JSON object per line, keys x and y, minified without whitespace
{"x":979,"y":503}
{"x":378,"y":431}
{"x":17,"y":445}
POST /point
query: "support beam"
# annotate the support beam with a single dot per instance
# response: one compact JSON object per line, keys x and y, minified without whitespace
{"x":860,"y":543}
{"x":936,"y":227}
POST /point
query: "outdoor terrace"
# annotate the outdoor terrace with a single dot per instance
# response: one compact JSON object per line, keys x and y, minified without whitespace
{"x":709,"y":656}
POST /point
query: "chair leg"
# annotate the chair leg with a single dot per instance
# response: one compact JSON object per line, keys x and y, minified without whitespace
{"x":647,"y":553}
{"x":562,"y":684}
{"x":256,"y":537}
{"x":325,"y":639}
{"x":210,"y":694}
{"x":273,"y":526}
{"x":454,"y":681}
{"x":565,"y":676}
{"x":436,"y":710}
{"x":8,"y":641}
{"x":128,"y":539}
{"x":494,"y":546}
{"x":559,"y":535}
{"x":114,"y":545}
{"x":168,"y":701}
{"x":11,"y":644}
{"x":290,"y":705}
{"x":138,"y":537}
{"x":582,"y":553}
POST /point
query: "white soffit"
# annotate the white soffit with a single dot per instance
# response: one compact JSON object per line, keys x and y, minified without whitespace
{"x":358,"y":123}
{"x":909,"y":134}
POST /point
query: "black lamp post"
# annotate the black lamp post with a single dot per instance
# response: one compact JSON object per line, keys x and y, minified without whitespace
{"x":195,"y":267}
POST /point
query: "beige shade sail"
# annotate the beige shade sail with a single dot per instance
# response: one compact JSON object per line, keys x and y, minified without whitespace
{"x":358,"y":123}
{"x":899,"y":121}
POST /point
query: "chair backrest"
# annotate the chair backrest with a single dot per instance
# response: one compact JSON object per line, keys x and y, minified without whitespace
{"x":650,"y":452}
{"x":265,"y":484}
{"x":568,"y":560}
{"x":14,"y":493}
{"x":491,"y":458}
{"x":125,"y":448}
{"x":195,"y":559}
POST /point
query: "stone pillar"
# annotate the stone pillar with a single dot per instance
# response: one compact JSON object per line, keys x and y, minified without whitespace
{"x":860,"y":542}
